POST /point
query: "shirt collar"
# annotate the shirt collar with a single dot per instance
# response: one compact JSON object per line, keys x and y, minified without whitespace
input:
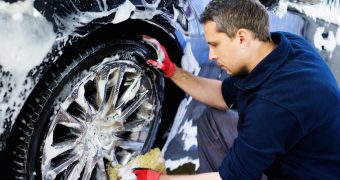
{"x":268,"y":65}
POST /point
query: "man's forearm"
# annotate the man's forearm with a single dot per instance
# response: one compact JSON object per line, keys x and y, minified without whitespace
{"x":210,"y":176}
{"x":207,"y":91}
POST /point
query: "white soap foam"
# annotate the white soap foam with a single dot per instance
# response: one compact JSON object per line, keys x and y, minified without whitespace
{"x":328,"y":44}
{"x":330,"y":12}
{"x":26,"y":37}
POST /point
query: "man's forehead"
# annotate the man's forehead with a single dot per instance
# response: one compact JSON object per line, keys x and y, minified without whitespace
{"x":210,"y":25}
{"x":211,"y":36}
{"x":210,"y":30}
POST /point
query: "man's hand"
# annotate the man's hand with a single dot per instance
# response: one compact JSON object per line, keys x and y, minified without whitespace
{"x":163,"y":62}
{"x":147,"y":174}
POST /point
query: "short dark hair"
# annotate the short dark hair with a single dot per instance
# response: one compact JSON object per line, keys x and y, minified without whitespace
{"x":231,"y":15}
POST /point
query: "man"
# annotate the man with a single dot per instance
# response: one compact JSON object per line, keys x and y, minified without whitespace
{"x":287,"y":100}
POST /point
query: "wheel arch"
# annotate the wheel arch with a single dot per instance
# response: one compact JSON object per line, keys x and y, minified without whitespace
{"x":159,"y":29}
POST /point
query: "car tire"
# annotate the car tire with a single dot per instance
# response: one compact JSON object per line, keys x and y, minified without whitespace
{"x":99,"y":106}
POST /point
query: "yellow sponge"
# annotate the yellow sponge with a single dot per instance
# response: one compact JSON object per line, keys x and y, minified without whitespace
{"x":152,"y":160}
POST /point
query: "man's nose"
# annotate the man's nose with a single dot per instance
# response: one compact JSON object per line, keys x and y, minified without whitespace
{"x":212,"y":55}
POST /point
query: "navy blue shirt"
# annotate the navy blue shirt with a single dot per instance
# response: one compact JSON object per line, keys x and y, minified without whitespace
{"x":289,"y":116}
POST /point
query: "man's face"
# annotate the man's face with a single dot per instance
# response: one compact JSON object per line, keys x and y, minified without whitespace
{"x":226,"y":51}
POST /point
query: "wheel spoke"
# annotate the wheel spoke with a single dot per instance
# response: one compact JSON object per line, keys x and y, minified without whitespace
{"x":56,"y":149}
{"x":100,"y":171}
{"x":59,"y":148}
{"x":110,"y":156}
{"x":76,"y":171}
{"x":125,"y":156}
{"x":51,"y":174}
{"x":146,"y":112}
{"x":117,"y":80}
{"x":90,"y":164}
{"x":117,"y":118}
{"x":100,"y":83}
{"x":112,"y":89}
{"x":130,"y":93}
{"x":131,"y":145}
{"x":134,"y":125}
{"x":81,"y":100}
{"x":68,"y":120}
{"x":137,"y":103}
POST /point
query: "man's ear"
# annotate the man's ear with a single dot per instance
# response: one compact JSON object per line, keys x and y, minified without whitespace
{"x":243,"y":36}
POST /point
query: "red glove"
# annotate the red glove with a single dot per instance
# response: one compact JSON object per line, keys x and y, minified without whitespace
{"x":147,"y":174}
{"x":163,"y":62}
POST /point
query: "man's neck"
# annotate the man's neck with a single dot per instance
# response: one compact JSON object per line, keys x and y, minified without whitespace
{"x":260,"y":51}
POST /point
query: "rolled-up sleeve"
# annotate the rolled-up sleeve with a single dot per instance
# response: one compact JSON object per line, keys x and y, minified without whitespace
{"x":267,"y":129}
